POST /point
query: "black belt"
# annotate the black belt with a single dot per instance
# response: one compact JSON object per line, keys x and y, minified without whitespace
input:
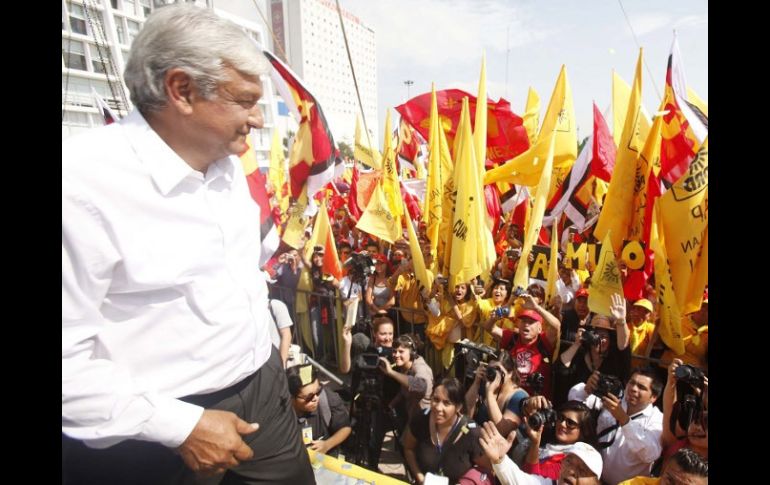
{"x":207,"y":400}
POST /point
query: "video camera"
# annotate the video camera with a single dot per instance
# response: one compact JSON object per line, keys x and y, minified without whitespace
{"x":371,"y":360}
{"x":474,"y":354}
{"x":689,"y":389}
{"x":361,"y":265}
{"x":608,"y":384}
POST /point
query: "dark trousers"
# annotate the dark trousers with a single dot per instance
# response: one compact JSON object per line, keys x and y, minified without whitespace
{"x":279,"y":455}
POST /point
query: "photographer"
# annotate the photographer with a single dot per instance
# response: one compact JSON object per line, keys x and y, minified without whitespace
{"x":496,"y":386}
{"x":601,"y":346}
{"x":687,"y":414}
{"x":571,"y":426}
{"x":496,"y":309}
{"x":321,"y":414}
{"x":372,"y":392}
{"x":532,"y":347}
{"x":287,"y":274}
{"x":629,"y":429}
{"x":582,"y":465}
{"x":322,"y":312}
{"x":412,"y":373}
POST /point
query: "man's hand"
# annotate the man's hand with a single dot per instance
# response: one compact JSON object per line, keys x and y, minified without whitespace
{"x":493,"y":443}
{"x":321,"y":446}
{"x":618,"y":307}
{"x":215,"y":443}
{"x":592,"y":382}
{"x":612,"y":404}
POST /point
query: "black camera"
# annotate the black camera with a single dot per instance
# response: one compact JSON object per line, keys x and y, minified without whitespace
{"x":590,"y":337}
{"x":542,"y":417}
{"x":608,"y":384}
{"x":361,"y":265}
{"x":474,"y":355}
{"x":535,"y":382}
{"x":492,"y":372}
{"x":689,"y":375}
{"x":502,"y":311}
{"x":518,"y":291}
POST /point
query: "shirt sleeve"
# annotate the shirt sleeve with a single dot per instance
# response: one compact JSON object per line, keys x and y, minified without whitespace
{"x":510,"y":474}
{"x":514,"y":403}
{"x":340,"y":417}
{"x":422,"y":379}
{"x":102,"y":404}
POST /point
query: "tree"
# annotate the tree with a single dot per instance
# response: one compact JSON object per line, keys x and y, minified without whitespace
{"x":345,"y":150}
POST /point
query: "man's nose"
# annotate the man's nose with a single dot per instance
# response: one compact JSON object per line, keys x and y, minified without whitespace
{"x":256,"y":118}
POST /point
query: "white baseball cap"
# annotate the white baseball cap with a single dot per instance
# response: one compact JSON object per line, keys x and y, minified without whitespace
{"x":589,"y":455}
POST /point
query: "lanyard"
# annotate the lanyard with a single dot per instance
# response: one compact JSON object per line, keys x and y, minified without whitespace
{"x":438,"y":442}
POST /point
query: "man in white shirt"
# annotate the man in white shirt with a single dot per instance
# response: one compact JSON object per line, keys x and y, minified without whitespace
{"x":166,"y":355}
{"x":629,"y":429}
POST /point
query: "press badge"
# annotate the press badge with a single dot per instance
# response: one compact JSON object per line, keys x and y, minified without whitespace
{"x":307,"y":434}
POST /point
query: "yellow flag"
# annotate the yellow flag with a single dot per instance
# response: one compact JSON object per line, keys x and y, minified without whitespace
{"x":535,"y":220}
{"x":649,"y":158}
{"x":560,"y":118}
{"x":670,"y":323}
{"x":487,"y":246}
{"x":378,"y":219}
{"x":684,"y":217}
{"x":363,"y":151}
{"x":621,"y":92}
{"x":390,"y":185}
{"x":531,"y":118}
{"x":434,"y":189}
{"x":605,"y":280}
{"x":424,"y":278}
{"x":616,"y":214}
{"x":693,"y":97}
{"x":324,"y":237}
{"x":525,"y":169}
{"x":553,"y":265}
{"x":277,"y":172}
{"x":466,"y":258}
{"x":295,"y":225}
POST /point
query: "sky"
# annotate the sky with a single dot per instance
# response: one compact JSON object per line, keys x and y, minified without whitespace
{"x":442,"y":41}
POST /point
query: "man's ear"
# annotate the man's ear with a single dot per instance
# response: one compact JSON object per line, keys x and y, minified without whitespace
{"x":180,"y":90}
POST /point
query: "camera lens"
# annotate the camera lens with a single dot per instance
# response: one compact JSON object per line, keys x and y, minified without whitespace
{"x":491,"y":373}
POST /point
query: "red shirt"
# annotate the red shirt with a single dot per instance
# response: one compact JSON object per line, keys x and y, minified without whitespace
{"x":529,"y":359}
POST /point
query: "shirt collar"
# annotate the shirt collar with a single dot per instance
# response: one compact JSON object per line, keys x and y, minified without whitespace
{"x":165,"y":166}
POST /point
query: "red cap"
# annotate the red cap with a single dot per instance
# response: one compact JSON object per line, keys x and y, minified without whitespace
{"x":530,"y":314}
{"x":581,"y":292}
{"x":380,"y":257}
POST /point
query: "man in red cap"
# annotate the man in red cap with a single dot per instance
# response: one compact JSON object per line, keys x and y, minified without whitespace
{"x":532,"y":347}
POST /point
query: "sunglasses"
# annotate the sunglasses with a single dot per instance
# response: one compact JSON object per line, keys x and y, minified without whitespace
{"x":571,"y":423}
{"x":310,"y":397}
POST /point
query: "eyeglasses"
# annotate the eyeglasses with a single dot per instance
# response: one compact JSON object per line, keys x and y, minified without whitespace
{"x":310,"y":397}
{"x":571,"y":423}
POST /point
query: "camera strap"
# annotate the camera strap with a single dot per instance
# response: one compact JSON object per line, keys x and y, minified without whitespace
{"x":606,"y":431}
{"x":449,"y":440}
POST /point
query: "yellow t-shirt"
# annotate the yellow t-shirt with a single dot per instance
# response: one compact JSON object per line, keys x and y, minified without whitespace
{"x":696,"y":343}
{"x":485,"y":307}
{"x":640,"y":339}
{"x":641,"y":481}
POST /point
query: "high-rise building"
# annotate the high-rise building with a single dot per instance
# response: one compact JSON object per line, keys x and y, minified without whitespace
{"x":96,"y":39}
{"x":308,"y":33}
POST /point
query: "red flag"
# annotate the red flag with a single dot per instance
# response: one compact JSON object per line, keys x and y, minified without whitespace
{"x":603,"y":160}
{"x":492,"y":199}
{"x":506,"y":135}
{"x":269,"y":232}
{"x":408,"y":145}
{"x":315,"y":155}
{"x":412,"y":202}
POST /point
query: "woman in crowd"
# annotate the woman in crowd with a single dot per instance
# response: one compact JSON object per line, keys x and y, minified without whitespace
{"x":443,"y":441}
{"x":379,"y":295}
{"x":457,"y":315}
{"x":414,"y":376}
{"x":696,"y":437}
{"x":575,"y":427}
{"x":495,"y":307}
{"x":498,"y":400}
